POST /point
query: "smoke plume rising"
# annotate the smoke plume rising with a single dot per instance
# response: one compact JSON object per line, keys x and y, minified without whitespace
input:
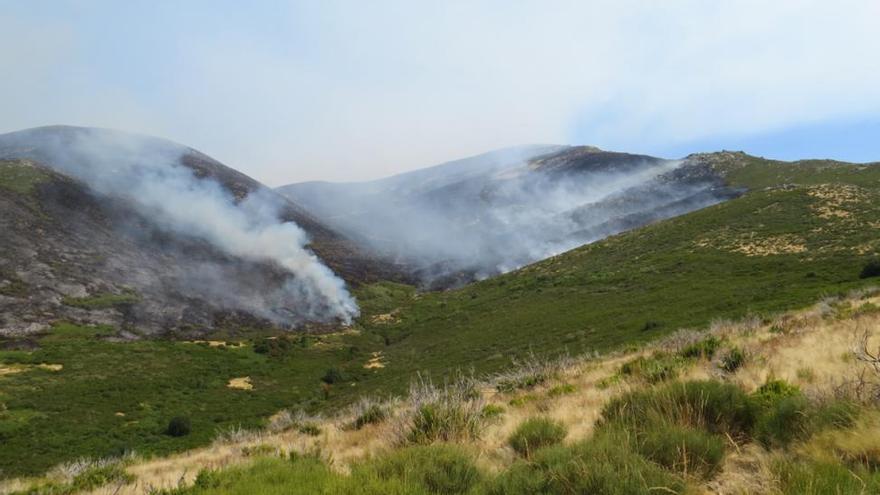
{"x":149,"y":175}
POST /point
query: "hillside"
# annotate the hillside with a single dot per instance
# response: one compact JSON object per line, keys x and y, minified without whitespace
{"x":473,"y":218}
{"x":95,"y":232}
{"x":804,"y":230}
{"x":770,"y":411}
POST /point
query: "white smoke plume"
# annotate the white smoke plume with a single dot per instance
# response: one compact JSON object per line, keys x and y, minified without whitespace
{"x":148,"y":173}
{"x":496,"y":212}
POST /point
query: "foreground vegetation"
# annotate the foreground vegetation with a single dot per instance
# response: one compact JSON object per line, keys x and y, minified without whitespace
{"x":804,"y":231}
{"x":793,"y":418}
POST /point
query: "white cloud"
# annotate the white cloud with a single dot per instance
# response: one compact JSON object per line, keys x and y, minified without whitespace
{"x":356,"y":90}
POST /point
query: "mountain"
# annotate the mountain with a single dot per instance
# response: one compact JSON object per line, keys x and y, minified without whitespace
{"x":489,"y":214}
{"x":151,"y":236}
{"x":801,"y":231}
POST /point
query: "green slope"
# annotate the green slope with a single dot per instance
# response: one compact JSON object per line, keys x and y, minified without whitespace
{"x":786,"y":243}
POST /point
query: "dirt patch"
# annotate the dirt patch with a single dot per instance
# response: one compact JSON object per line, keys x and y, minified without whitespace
{"x":242,"y":383}
{"x":834,"y":200}
{"x":377,"y":361}
{"x":11,"y":370}
{"x":386,"y":318}
{"x":19,"y":368}
{"x":216,"y":343}
{"x":767,"y":246}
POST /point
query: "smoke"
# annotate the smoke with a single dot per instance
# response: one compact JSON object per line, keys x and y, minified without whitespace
{"x":148,"y":174}
{"x":454,"y":227}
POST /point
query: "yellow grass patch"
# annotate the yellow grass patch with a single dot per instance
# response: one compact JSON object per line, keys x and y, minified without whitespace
{"x":242,"y":383}
{"x":377,"y":361}
{"x":12,"y":369}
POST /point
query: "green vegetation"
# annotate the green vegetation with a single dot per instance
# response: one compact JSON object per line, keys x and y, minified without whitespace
{"x":733,"y":360}
{"x":871,"y":269}
{"x":102,"y":301}
{"x":179,"y":426}
{"x":536,"y":433}
{"x":20,"y":176}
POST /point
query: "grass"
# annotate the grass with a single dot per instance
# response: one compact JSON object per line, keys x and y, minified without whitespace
{"x":536,"y":433}
{"x":20,"y":177}
{"x":734,"y":259}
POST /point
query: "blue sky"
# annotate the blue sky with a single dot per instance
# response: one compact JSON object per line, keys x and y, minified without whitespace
{"x":349,"y":90}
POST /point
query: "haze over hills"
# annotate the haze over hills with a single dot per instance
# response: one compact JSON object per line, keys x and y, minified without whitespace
{"x":142,"y":233}
{"x":492,"y":213}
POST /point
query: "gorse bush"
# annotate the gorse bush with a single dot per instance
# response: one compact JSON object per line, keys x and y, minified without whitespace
{"x":536,"y":433}
{"x":179,"y":426}
{"x":603,"y":464}
{"x":440,"y":468}
{"x":714,"y":406}
{"x":704,"y":349}
{"x":871,"y":269}
{"x":659,"y":367}
{"x":690,"y":451}
{"x":733,"y":360}
{"x":449,"y":413}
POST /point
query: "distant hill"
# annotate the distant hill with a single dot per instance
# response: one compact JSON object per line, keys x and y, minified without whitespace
{"x":481,"y":216}
{"x":77,"y":245}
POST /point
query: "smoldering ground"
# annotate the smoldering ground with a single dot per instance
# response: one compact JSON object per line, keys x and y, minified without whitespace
{"x":243,"y":230}
{"x":454,"y":226}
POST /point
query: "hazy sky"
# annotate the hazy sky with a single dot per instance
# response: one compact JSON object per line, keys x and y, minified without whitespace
{"x":352,"y":90}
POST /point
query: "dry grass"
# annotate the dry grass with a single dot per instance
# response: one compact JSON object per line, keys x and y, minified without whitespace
{"x":811,"y":348}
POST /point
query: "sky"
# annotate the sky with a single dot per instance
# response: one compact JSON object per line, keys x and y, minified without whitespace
{"x":352,"y":90}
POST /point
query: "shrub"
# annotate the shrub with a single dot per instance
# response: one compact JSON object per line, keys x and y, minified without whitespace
{"x":715,"y":406}
{"x":529,"y":372}
{"x":682,"y":449}
{"x":310,"y":429}
{"x":333,"y":375}
{"x":657,"y":368}
{"x":733,"y":360}
{"x":440,"y":468}
{"x":871,"y":269}
{"x":703,"y":349}
{"x":535,"y":433}
{"x":371,"y":414}
{"x":784,"y":421}
{"x":820,"y":478}
{"x":448,"y":413}
{"x":179,"y":426}
{"x":603,"y":464}
{"x":563,"y":389}
{"x":651,"y":325}
{"x":492,"y":411}
{"x":274,"y":347}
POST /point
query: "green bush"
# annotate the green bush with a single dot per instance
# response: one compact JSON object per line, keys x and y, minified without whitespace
{"x":333,"y":375}
{"x":274,"y":347}
{"x":491,"y":411}
{"x":733,"y":360}
{"x":372,"y":413}
{"x":871,"y":269}
{"x":603,"y":464}
{"x":535,"y":433}
{"x":686,"y":450}
{"x":439,"y":468}
{"x":704,"y":349}
{"x":821,"y":478}
{"x":784,"y":421}
{"x":715,"y":406}
{"x":656,"y":368}
{"x":179,"y":426}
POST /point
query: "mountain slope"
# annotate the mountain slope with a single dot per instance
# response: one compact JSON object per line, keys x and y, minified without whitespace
{"x":489,"y":214}
{"x":803,"y":231}
{"x":79,"y":244}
